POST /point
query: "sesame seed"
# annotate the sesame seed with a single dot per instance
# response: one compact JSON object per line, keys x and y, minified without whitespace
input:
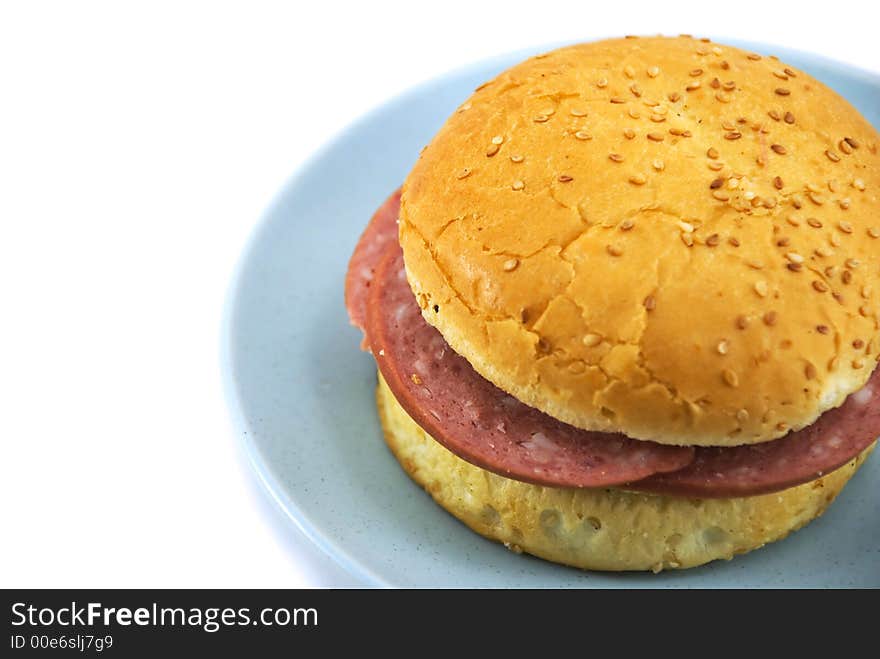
{"x":813,"y":222}
{"x":629,"y":133}
{"x":833,"y":364}
{"x":716,"y":166}
{"x":615,"y":157}
{"x":626,"y":225}
{"x":497,"y":139}
{"x":583,"y":135}
{"x":761,"y":288}
{"x":617,"y":100}
{"x":728,"y":125}
{"x":638,"y":179}
{"x":742,"y":415}
{"x":753,"y":56}
{"x":540,"y":118}
{"x":789,"y":73}
{"x":774,"y":115}
{"x":858,"y":344}
{"x":823,"y":329}
{"x":492,"y":150}
{"x":715,"y":84}
{"x":712,"y":153}
{"x":852,"y":263}
{"x":725,"y":64}
{"x":696,"y":72}
{"x":820,"y":286}
{"x":717,"y":183}
{"x":858,"y":363}
{"x":673,"y":96}
{"x":721,"y":97}
{"x":782,"y":91}
{"x":810,"y":371}
{"x":614,"y":250}
{"x":733,"y":240}
{"x":844,"y":146}
{"x":591,"y":340}
{"x":463,"y":173}
{"x":687,"y":227}
{"x":780,"y":74}
{"x":816,"y":198}
{"x":518,"y":185}
{"x":601,"y":83}
{"x":729,"y":86}
{"x":658,"y":118}
{"x":732,"y":183}
{"x":658,"y":165}
{"x":830,"y":271}
{"x":874,"y":232}
{"x":656,"y":137}
{"x":722,"y":347}
{"x":650,"y":303}
{"x":632,"y":112}
{"x":564,"y":178}
{"x":716,"y":50}
{"x":702,"y":50}
{"x":789,"y":118}
{"x":833,"y":157}
{"x":713,"y":240}
{"x":844,"y":203}
{"x":653,"y":71}
{"x":778,"y":148}
{"x":634,"y":88}
{"x":516,"y":158}
{"x":866,"y":291}
{"x":732,"y":135}
{"x":846,"y":277}
{"x":864,"y":311}
{"x":741,"y":322}
{"x":770,"y":318}
{"x":778,"y":184}
{"x":629,"y":71}
{"x":730,"y":378}
{"x":844,"y":226}
{"x":794,"y":257}
{"x":721,"y":196}
{"x":687,"y":239}
{"x":576,"y":112}
{"x":852,"y":142}
{"x":691,"y":86}
{"x":679,"y":132}
{"x":783,"y":242}
{"x":859,"y":184}
{"x":794,"y":267}
{"x":793,"y":221}
{"x":510,"y":265}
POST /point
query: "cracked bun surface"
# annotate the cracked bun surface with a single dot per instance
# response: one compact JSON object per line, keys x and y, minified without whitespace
{"x":663,"y":237}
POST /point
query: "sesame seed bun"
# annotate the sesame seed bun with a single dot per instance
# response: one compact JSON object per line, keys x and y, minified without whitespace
{"x":601,"y":529}
{"x":657,"y":236}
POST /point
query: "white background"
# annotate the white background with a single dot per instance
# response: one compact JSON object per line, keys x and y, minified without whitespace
{"x":139,"y":144}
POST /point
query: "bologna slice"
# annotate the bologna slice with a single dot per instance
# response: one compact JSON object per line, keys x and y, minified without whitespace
{"x":486,"y":426}
{"x":380,"y":233}
{"x":480,"y":423}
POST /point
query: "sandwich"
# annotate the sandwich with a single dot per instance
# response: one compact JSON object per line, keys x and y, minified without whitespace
{"x":625,"y":307}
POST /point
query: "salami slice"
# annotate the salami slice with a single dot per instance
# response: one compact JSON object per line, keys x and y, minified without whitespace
{"x":379,"y":234}
{"x":836,"y":437}
{"x":484,"y":425}
{"x":479,"y":422}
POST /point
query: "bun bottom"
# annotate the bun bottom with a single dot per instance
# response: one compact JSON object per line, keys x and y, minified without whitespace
{"x":601,"y":529}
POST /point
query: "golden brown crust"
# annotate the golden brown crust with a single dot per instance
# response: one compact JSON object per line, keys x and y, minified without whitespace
{"x":648,"y":236}
{"x":604,"y":529}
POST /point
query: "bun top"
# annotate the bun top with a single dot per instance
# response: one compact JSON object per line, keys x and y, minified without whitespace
{"x":663,"y":237}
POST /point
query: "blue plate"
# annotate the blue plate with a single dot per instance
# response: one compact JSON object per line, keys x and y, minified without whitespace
{"x":301,"y":391}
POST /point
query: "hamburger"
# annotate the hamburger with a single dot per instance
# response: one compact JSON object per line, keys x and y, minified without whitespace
{"x":625,"y":308}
